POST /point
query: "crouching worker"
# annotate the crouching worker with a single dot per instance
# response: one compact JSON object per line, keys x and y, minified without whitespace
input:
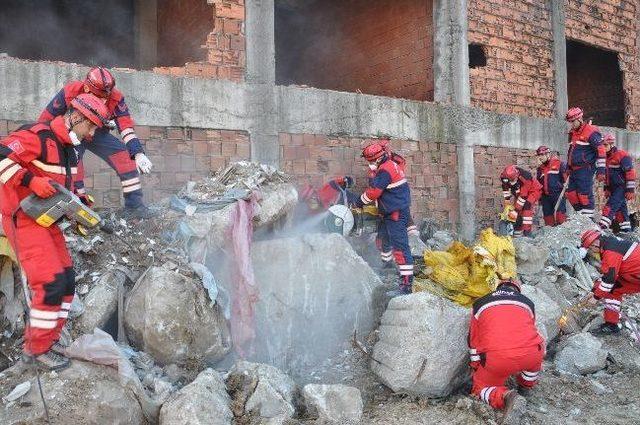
{"x":503,"y":341}
{"x":31,"y":158}
{"x":620,"y":269}
{"x":519,"y":184}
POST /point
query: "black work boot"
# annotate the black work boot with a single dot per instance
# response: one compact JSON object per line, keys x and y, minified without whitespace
{"x":47,"y":361}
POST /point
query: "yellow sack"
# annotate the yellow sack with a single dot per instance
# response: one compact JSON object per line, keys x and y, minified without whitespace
{"x":5,"y":249}
{"x":463,"y":274}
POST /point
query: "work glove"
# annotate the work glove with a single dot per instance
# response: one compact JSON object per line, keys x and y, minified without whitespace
{"x":629,"y":196}
{"x":143,"y":163}
{"x":42,"y":187}
{"x":512,"y":215}
{"x":111,"y":125}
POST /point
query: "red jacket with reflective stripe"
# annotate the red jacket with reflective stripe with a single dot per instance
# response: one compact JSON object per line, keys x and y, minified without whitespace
{"x":526,"y":189}
{"x":551,"y":175}
{"x":585,"y":148}
{"x":502,"y":320}
{"x":43,"y":150}
{"x":620,"y":264}
{"x":620,"y":171}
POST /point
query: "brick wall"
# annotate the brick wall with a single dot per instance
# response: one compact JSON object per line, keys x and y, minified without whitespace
{"x":518,"y":43}
{"x":224,"y":49}
{"x":183,"y":26}
{"x":178,"y":155}
{"x":382,"y":47}
{"x":489,"y":163}
{"x":612,"y":25}
{"x":431,"y":169}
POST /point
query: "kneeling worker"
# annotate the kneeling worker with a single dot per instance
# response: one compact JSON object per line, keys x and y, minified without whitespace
{"x":503,"y":341}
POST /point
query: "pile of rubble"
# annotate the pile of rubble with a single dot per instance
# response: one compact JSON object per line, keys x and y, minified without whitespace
{"x":214,"y":316}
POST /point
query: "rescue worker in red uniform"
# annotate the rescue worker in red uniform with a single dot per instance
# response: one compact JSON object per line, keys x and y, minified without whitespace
{"x":551,"y":174}
{"x":620,"y":269}
{"x":412,"y":229}
{"x":503,"y":341}
{"x":389,"y":189}
{"x":619,"y":187}
{"x":127,"y":159}
{"x":30,"y":159}
{"x":519,"y":184}
{"x":586,"y":156}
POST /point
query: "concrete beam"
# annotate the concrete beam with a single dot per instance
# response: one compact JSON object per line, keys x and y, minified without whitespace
{"x":451,"y":52}
{"x":558,"y":17}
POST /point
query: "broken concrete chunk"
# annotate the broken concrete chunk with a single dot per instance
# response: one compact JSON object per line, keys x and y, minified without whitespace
{"x":315,"y":290}
{"x":101,"y":302}
{"x":547,"y":311}
{"x":203,"y":402}
{"x":440,"y":240}
{"x":333,"y":404}
{"x":170,"y":317}
{"x":84,"y":393}
{"x":262,"y":391}
{"x":582,"y":355}
{"x":417,"y":246}
{"x":422,"y":348}
{"x":530,"y":258}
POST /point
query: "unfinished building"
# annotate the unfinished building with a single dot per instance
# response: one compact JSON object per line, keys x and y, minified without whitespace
{"x":462,"y":87}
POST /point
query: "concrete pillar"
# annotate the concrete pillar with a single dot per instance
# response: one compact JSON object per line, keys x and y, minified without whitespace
{"x":261,"y":72}
{"x":146,"y":33}
{"x":451,"y":85}
{"x":450,"y":52}
{"x":559,"y":56}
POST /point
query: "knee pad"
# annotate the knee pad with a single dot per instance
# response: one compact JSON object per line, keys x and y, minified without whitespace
{"x":549,"y":220}
{"x":561,"y":217}
{"x":583,"y":199}
{"x":55,"y":290}
{"x":122,"y":162}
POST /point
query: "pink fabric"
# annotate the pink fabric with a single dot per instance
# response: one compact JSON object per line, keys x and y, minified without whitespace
{"x":244,"y":292}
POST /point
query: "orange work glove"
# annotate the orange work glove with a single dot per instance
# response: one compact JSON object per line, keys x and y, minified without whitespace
{"x":42,"y":187}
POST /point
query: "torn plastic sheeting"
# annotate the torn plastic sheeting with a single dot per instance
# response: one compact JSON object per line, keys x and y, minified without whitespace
{"x":244,"y":291}
{"x":216,"y":292}
{"x":229,"y":197}
{"x":564,"y":256}
{"x":100,"y":348}
{"x":17,"y":392}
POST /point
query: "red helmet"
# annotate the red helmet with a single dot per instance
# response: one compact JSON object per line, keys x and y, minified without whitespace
{"x":386,"y":144}
{"x":511,"y":281}
{"x":92,"y":108}
{"x":510,"y":173}
{"x":542,"y":150}
{"x":574,"y":113}
{"x":100,"y":81}
{"x":374,"y":151}
{"x":609,"y":139}
{"x":588,"y":237}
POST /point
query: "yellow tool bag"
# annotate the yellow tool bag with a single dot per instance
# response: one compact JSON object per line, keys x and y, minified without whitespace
{"x":464,"y":274}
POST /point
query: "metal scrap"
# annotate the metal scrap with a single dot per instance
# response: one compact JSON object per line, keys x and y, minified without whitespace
{"x":358,"y":345}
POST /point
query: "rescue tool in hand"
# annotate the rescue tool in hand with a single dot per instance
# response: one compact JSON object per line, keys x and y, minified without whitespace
{"x":47,"y":211}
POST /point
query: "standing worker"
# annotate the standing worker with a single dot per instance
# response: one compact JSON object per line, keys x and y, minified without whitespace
{"x":620,"y":269}
{"x":128,"y":158}
{"x":586,"y":156}
{"x":519,"y":184}
{"x":551,"y":174}
{"x":30,"y":159}
{"x":504,"y":341}
{"x":619,"y":187}
{"x":388,"y":188}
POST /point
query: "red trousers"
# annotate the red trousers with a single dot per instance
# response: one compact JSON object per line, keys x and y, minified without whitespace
{"x":491,"y":374}
{"x":44,"y":258}
{"x":613,"y":300}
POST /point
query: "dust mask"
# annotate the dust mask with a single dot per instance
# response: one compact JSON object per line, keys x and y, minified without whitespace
{"x":74,"y":138}
{"x":373,"y":166}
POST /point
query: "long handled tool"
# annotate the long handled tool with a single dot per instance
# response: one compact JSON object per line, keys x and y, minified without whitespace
{"x":557,"y":205}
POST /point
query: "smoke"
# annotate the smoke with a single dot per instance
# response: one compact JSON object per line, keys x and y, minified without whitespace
{"x":86,"y":32}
